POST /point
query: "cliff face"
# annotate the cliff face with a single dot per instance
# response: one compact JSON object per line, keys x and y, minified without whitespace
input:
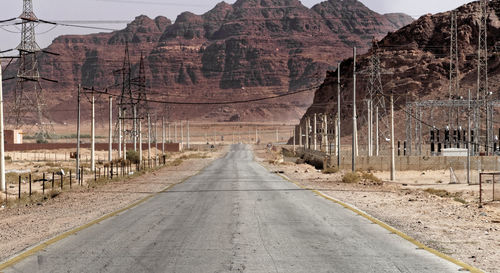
{"x":415,"y":63}
{"x":252,"y":48}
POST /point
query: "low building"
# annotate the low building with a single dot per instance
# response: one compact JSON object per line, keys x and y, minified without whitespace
{"x":13,"y":136}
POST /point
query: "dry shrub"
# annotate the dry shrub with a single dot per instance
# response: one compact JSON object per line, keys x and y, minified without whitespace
{"x":331,"y":170}
{"x":350,"y":178}
{"x":370,"y":177}
{"x":444,"y":193}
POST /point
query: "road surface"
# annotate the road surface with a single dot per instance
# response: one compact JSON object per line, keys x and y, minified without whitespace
{"x":235,"y":216}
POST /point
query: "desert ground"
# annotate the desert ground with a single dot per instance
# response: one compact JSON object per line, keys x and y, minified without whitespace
{"x":446,"y":217}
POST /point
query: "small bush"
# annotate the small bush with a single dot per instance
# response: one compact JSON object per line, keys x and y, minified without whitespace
{"x":331,"y":170}
{"x":460,"y":200}
{"x":133,"y":156}
{"x":370,"y":177}
{"x":350,"y":178}
{"x":442,"y":193}
{"x":176,"y":162}
{"x":7,"y":157}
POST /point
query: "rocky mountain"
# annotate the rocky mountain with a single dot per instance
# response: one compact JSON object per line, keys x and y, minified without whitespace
{"x":415,"y":64}
{"x":250,"y":49}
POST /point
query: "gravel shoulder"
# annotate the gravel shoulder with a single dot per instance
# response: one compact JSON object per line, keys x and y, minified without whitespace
{"x":454,"y":226}
{"x":23,"y":227}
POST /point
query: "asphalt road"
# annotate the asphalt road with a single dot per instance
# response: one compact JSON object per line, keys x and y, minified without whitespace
{"x":235,"y":216}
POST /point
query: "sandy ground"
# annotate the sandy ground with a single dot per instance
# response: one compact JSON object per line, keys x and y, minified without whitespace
{"x":22,"y":227}
{"x":454,"y":225}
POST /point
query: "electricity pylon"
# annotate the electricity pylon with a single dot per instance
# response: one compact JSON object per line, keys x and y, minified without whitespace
{"x":28,"y":105}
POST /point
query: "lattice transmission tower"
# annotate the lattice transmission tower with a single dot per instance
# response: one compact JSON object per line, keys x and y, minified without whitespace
{"x":28,"y":105}
{"x":454,"y":86}
{"x":486,"y":113}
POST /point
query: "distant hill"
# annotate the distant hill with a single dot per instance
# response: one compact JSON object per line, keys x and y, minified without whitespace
{"x":252,"y":48}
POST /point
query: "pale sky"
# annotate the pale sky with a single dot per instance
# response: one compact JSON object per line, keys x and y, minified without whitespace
{"x":127,"y":10}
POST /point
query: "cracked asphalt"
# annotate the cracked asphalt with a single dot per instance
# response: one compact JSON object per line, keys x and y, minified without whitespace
{"x":235,"y":216}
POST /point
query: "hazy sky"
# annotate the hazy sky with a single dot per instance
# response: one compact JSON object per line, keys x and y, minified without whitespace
{"x":126,"y":10}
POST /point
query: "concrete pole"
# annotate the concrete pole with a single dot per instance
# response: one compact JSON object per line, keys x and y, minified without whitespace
{"x":307,"y":132}
{"x":370,"y":127}
{"x":315,"y":132}
{"x":300,"y":135}
{"x":294,"y":139}
{"x":169,"y":139}
{"x":257,"y":135}
{"x":377,"y":134}
{"x":188,"y":136}
{"x":182,"y":134}
{"x":393,"y":160}
{"x":325,"y":133}
{"x":354,"y":127}
{"x":337,"y":131}
{"x":124,"y":135}
{"x":78,"y":135}
{"x":92,"y":132}
{"x":110,"y":133}
{"x":156,"y":138}
{"x":140,"y":142}
{"x":149,"y":138}
{"x":134,"y":135}
{"x":163,"y":135}
{"x":469,"y":144}
{"x":120,"y":132}
{"x":175,"y":132}
{"x":3,"y":185}
{"x":277,"y":136}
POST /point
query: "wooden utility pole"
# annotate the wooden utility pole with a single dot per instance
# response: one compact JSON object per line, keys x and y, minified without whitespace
{"x":393,"y":159}
{"x":110,"y":133}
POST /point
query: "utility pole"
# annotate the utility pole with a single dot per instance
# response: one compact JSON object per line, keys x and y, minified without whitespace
{"x":163,"y":135}
{"x":325,"y":132}
{"x":308,"y":124}
{"x":78,"y":135}
{"x":156,"y":137}
{"x":92,"y":132}
{"x":338,"y":117}
{"x":182,"y":134}
{"x":315,"y":130}
{"x":120,"y":121}
{"x":300,"y":135}
{"x":294,"y":133}
{"x":377,"y":133}
{"x":134,"y":135}
{"x":354,"y":123}
{"x":140,"y":142}
{"x":3,"y":185}
{"x":149,"y":138}
{"x":169,"y":139}
{"x":468,"y":139}
{"x":482,"y":74}
{"x":175,"y":132}
{"x":188,"y":136}
{"x":393,"y":160}
{"x":370,"y":129}
{"x":124,"y":135}
{"x":110,"y":133}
